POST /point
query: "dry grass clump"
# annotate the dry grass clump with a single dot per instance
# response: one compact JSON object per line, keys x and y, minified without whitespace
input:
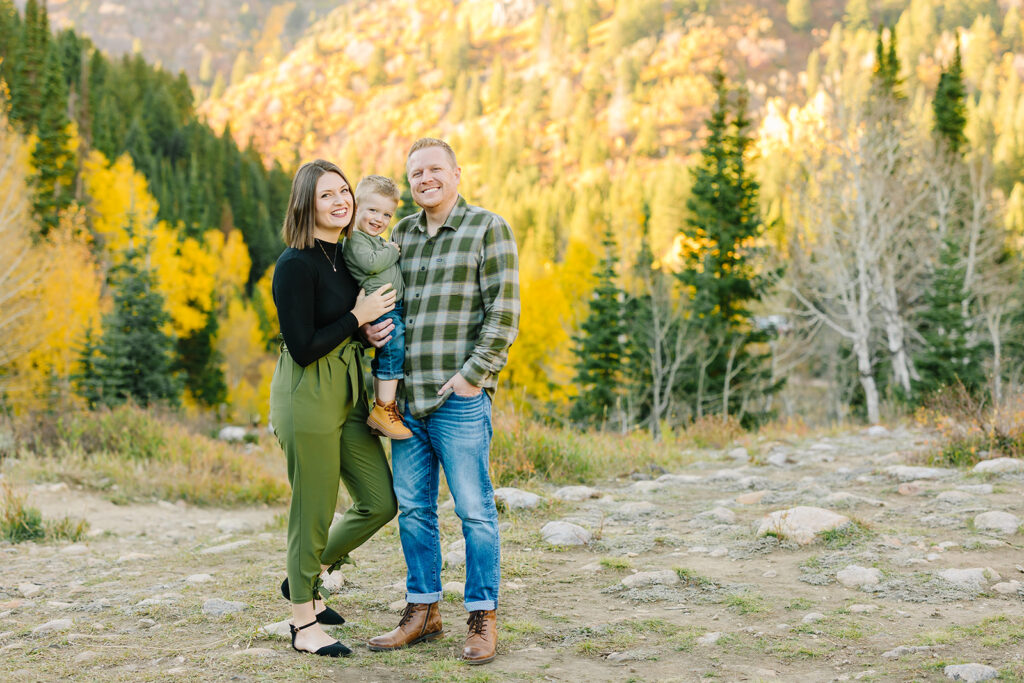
{"x":130,"y":453}
{"x":972,"y":429}
{"x":20,"y":522}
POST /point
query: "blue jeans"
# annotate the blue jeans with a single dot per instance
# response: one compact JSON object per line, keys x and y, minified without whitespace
{"x":457,"y":437}
{"x":389,"y":362}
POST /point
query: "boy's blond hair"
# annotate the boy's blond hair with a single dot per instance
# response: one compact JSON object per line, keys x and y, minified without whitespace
{"x":377,"y":184}
{"x":424,"y":143}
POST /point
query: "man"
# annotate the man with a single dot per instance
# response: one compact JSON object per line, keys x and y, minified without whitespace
{"x":460,"y":267}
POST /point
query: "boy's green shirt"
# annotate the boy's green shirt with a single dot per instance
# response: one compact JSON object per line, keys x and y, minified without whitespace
{"x":373,"y":263}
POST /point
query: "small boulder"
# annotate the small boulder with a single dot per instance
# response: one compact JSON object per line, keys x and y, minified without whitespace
{"x":198,"y":578}
{"x":710,"y":638}
{"x":752,"y":498}
{"x":801,"y":524}
{"x":1000,"y":522}
{"x":970,"y":672}
{"x":972,"y":578}
{"x":231,"y":433}
{"x":721,"y":515}
{"x":1008,"y":587}
{"x":218,"y":607}
{"x":454,"y":588}
{"x":664,"y":577}
{"x":55,"y":625}
{"x":517,"y":499}
{"x":1000,"y":465}
{"x":908,"y":473}
{"x":29,"y":590}
{"x":564,"y":533}
{"x":278,"y":628}
{"x":576,"y":493}
{"x":854,"y":576}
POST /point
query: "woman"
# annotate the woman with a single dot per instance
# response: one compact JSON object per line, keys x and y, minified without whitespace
{"x":318,"y":400}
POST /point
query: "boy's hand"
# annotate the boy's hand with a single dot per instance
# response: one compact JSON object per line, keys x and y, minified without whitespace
{"x":396,"y":246}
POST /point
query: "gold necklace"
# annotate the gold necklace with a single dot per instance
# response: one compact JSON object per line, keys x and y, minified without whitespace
{"x":333,"y":266}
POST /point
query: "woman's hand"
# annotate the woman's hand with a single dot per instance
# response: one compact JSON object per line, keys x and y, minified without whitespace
{"x":369,"y":308}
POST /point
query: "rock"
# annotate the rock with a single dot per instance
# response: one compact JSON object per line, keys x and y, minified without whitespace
{"x":854,"y":576}
{"x":564,"y":533}
{"x":812,"y":617}
{"x":134,"y":557}
{"x":1001,"y":522}
{"x":641,"y":507}
{"x":801,"y":524}
{"x":862,"y":609}
{"x":224,"y":547}
{"x":909,"y":489}
{"x":576,"y":493}
{"x":55,"y":625}
{"x":719,"y":514}
{"x":217,"y":607}
{"x":29,"y":590}
{"x":898,"y":652}
{"x":664,"y":577}
{"x":278,"y":628}
{"x":455,"y":558}
{"x":976,"y":489}
{"x":74,"y":549}
{"x":970,"y":672}
{"x":647,"y":486}
{"x":628,"y":656}
{"x":876,"y":430}
{"x":84,"y":657}
{"x":454,"y":588}
{"x":954,"y":497}
{"x":972,"y":578}
{"x":739,"y":454}
{"x":752,"y":498}
{"x":516,"y":499}
{"x":1000,"y":465}
{"x":233,"y":525}
{"x":907,"y":473}
{"x":195,"y":579}
{"x":709,"y":638}
{"x":333,"y":581}
{"x":778,"y":459}
{"x":231,"y":433}
{"x":718,"y":551}
{"x":1008,"y":587}
{"x":679,"y":479}
{"x":770,"y":574}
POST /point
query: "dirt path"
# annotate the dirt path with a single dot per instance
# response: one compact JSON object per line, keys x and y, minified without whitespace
{"x":674,"y":585}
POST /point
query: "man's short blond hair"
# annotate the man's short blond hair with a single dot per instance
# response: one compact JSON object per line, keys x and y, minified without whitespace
{"x":424,"y":143}
{"x":377,"y":184}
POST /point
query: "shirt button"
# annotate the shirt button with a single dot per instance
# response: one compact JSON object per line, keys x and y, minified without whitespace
{"x":423,"y":268}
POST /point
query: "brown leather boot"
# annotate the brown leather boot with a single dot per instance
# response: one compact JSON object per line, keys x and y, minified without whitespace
{"x":482,"y":641}
{"x":419,"y":623}
{"x":385,"y":421}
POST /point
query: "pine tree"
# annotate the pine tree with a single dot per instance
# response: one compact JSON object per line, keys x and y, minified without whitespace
{"x":199,"y":362}
{"x":723,"y":224}
{"x":28,"y":64}
{"x":949,"y":105}
{"x":133,"y":359}
{"x":949,"y":355}
{"x":599,"y":348}
{"x":887,"y":65}
{"x":52,"y":158}
{"x":406,"y":205}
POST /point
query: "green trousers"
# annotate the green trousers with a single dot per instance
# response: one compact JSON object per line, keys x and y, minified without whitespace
{"x":319,"y":415}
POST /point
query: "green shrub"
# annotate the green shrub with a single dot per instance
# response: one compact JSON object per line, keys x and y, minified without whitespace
{"x":18,"y":522}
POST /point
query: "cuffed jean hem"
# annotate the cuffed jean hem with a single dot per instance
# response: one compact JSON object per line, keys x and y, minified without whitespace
{"x":422,"y":598}
{"x":384,"y":377}
{"x":481,"y":604}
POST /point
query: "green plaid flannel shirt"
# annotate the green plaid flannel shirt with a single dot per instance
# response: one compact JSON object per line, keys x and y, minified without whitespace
{"x":461,"y":301}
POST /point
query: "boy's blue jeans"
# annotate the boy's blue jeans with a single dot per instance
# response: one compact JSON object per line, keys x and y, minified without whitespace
{"x":389,"y":361}
{"x":457,"y":437}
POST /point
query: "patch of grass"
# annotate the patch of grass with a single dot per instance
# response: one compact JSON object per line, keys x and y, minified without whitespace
{"x":130,"y":453}
{"x":685,"y":639}
{"x":746,"y":603}
{"x":21,"y":522}
{"x":615,"y":563}
{"x":846,"y":535}
{"x":521,"y":627}
{"x":692,"y":578}
{"x":800,"y":604}
{"x":997,"y":631}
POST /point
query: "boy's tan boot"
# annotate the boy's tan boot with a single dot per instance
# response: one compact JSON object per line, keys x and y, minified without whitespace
{"x":385,"y":420}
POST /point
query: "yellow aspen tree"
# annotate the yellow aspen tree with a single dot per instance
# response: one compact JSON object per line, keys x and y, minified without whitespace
{"x":119,"y":204}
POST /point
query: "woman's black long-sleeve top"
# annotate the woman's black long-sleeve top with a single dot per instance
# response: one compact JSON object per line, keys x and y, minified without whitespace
{"x":314,"y":303}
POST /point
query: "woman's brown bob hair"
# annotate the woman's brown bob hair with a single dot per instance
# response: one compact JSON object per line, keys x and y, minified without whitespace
{"x":300,"y":219}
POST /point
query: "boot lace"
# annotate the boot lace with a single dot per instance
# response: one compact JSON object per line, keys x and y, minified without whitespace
{"x":392,"y":411}
{"x":406,"y":615}
{"x":476,"y":623}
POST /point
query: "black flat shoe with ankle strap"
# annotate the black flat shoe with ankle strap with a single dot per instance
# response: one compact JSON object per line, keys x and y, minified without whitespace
{"x":335,"y":649}
{"x":328,"y":617}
